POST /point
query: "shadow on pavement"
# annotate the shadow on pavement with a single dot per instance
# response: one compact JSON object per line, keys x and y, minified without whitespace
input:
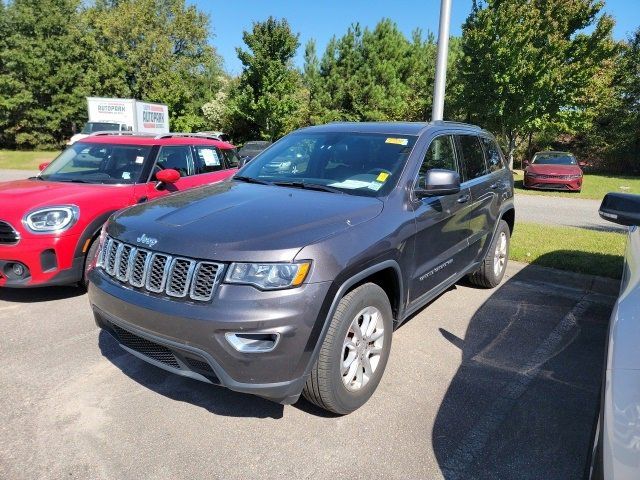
{"x":40,"y":294}
{"x":522,"y":403}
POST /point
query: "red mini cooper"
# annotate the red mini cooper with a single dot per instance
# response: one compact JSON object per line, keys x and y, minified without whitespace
{"x":49,"y":223}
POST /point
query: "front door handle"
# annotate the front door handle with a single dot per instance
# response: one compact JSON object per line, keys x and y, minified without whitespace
{"x":464,"y":198}
{"x":493,"y":186}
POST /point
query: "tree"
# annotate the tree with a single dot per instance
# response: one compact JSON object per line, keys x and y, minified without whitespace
{"x":42,"y":58}
{"x":528,"y":62}
{"x":154,"y":50}
{"x":267,"y":100}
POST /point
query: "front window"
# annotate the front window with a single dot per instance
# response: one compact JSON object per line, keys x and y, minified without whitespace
{"x":554,"y":159}
{"x":98,"y":163}
{"x":92,"y":127}
{"x":357,"y":163}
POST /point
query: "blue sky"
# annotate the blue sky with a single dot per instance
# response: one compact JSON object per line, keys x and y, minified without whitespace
{"x":321,"y":19}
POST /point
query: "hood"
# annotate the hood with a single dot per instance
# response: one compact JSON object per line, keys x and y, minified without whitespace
{"x":21,"y":196}
{"x":554,"y":169}
{"x":242,"y":222}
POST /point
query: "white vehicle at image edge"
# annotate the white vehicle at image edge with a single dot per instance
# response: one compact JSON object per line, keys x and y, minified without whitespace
{"x":615,"y":453}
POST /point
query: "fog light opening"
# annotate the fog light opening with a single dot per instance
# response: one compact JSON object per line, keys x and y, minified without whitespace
{"x":15,"y":271}
{"x":253,"y":342}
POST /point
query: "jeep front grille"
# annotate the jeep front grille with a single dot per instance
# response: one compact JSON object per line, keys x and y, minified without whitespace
{"x":159,"y":273}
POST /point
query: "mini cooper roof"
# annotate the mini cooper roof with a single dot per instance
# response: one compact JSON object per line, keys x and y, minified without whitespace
{"x":162,"y":139}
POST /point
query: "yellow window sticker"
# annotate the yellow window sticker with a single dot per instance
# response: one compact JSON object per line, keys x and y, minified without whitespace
{"x":382,"y":177}
{"x":397,"y":141}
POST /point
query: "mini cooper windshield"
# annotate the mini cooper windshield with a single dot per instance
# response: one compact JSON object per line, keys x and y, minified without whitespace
{"x":344,"y":162}
{"x":98,"y":163}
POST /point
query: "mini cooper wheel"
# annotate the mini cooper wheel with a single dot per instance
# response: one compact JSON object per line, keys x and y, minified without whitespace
{"x":494,"y":264}
{"x":354,"y":353}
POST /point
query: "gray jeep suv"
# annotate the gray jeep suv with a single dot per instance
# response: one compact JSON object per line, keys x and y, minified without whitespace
{"x":291,"y":280}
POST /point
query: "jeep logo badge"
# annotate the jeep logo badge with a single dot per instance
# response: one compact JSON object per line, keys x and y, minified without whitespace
{"x":149,"y":241}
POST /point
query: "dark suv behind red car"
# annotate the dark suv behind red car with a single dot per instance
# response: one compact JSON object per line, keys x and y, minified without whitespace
{"x":49,"y":223}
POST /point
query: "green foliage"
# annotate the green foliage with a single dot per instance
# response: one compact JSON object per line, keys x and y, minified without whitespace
{"x":54,"y":53}
{"x":527,"y":63}
{"x":42,"y":55}
{"x":267,"y":100}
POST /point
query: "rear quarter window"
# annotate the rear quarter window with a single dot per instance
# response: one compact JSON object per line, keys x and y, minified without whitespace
{"x":495,"y":159}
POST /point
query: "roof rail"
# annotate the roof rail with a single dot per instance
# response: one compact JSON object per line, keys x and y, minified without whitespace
{"x":453,"y":124}
{"x":189,"y":135}
{"x":123,"y":133}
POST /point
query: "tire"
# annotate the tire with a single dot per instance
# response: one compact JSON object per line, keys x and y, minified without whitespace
{"x":333,"y":385}
{"x":489,"y":275}
{"x":87,"y":260}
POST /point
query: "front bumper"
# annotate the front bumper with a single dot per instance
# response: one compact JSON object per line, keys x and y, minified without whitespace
{"x":49,"y":261}
{"x":550,"y":183}
{"x":188,"y":338}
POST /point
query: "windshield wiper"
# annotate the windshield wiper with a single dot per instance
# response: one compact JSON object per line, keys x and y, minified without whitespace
{"x":74,"y":180}
{"x":242,"y":178}
{"x":310,"y":186}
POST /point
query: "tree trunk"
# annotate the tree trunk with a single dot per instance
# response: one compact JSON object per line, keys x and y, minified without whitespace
{"x":511,"y":148}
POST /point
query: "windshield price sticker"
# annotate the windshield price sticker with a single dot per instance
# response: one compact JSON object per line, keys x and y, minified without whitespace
{"x":397,"y":141}
{"x":139,"y":160}
{"x":382,"y":177}
{"x":210,"y":157}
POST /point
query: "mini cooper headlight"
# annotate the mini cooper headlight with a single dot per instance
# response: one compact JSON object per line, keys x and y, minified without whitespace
{"x":52,"y":219}
{"x":268,"y":276}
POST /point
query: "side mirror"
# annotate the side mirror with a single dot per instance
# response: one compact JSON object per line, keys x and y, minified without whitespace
{"x":168,"y":175}
{"x":582,"y":164}
{"x":526,"y":163}
{"x":43,"y":165}
{"x":621,"y":208}
{"x":438,"y":182}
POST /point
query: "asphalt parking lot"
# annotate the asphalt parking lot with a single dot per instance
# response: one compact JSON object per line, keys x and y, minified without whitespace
{"x":480,"y":384}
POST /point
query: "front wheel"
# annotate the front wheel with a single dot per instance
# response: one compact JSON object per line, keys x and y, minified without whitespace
{"x":354,"y":353}
{"x":494,"y":264}
{"x":91,"y":253}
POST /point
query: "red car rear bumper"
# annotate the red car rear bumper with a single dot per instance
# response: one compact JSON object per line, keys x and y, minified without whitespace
{"x":552,"y":182}
{"x":47,"y":260}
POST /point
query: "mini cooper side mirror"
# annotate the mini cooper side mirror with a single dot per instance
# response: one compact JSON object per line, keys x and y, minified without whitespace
{"x":438,"y":182}
{"x":621,"y":208}
{"x":43,"y":165}
{"x":168,"y":175}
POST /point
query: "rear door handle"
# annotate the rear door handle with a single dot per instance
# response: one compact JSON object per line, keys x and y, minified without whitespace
{"x":493,"y":186}
{"x":464,"y":198}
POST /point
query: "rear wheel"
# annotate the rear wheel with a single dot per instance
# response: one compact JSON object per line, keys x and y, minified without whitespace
{"x":494,"y":264}
{"x":354,"y":353}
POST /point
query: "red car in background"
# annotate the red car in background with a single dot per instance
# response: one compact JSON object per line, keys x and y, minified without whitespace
{"x":49,"y":223}
{"x":553,"y":171}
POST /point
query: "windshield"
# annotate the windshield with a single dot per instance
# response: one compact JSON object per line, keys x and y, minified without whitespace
{"x":554,"y":159}
{"x":356,"y":163}
{"x":98,"y":163}
{"x":92,"y":127}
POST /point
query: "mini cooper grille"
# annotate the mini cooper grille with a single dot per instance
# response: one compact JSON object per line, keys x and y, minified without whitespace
{"x":159,"y":273}
{"x":8,"y":235}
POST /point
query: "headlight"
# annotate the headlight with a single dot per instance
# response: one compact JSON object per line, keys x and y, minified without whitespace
{"x":52,"y":219}
{"x":268,"y":276}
